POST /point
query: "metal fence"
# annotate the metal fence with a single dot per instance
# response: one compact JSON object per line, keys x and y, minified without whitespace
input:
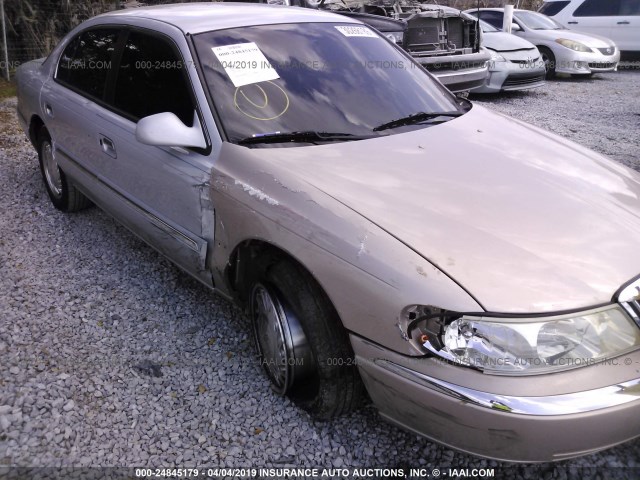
{"x":5,"y":50}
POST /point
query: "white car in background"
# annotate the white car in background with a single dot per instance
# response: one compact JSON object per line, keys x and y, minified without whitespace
{"x":563,"y":50}
{"x":516,"y":64}
{"x":618,"y":20}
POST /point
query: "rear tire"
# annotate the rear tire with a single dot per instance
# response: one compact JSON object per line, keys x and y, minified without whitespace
{"x":63,"y":194}
{"x":549,"y":60}
{"x":301,"y":342}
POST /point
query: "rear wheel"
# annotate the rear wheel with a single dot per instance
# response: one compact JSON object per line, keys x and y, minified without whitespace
{"x":62,"y":193}
{"x":301,"y":342}
{"x":549,"y":60}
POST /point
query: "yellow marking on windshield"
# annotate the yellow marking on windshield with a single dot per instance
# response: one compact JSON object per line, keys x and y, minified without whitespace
{"x":280,"y":91}
{"x":264,"y":94}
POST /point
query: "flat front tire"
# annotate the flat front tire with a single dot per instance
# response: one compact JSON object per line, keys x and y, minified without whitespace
{"x":301,"y":342}
{"x":63,"y":194}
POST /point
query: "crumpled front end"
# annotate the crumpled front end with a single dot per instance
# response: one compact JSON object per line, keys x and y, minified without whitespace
{"x":443,"y":40}
{"x":572,"y":390}
{"x":448,"y":45}
{"x":526,"y":419}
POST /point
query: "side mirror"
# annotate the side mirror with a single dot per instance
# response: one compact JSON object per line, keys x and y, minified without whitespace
{"x":167,"y":130}
{"x":515,"y":27}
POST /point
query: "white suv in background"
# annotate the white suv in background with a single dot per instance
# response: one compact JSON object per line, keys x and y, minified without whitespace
{"x":618,"y":20}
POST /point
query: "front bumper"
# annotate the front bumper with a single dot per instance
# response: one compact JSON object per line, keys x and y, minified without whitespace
{"x":459,"y":73}
{"x":508,"y":76}
{"x":521,"y":419}
{"x":576,"y":63}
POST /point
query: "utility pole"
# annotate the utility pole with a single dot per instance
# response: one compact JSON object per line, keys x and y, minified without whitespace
{"x":4,"y":42}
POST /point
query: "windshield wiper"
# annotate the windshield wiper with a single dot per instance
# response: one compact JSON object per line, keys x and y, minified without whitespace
{"x":415,"y":118}
{"x":302,"y":137}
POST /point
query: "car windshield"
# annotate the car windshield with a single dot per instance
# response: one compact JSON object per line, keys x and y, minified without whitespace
{"x":537,"y":21}
{"x":339,"y":80}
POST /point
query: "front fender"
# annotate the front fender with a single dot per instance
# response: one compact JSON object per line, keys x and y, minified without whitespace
{"x":367,"y":274}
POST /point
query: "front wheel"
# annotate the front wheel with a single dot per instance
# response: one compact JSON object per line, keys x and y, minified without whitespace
{"x":549,"y":60}
{"x":63,"y":194}
{"x":301,"y":342}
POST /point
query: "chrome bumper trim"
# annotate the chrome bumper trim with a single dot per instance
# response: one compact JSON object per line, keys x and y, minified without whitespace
{"x":567,"y":404}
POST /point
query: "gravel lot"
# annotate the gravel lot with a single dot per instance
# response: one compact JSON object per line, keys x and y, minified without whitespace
{"x":89,"y":316}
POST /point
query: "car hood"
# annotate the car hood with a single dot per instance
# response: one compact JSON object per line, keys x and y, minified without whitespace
{"x":522,"y":219}
{"x":588,"y":39}
{"x":505,"y":42}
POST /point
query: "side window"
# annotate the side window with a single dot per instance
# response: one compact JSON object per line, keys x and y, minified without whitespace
{"x":152,"y":79}
{"x":86,"y":61}
{"x":494,"y":18}
{"x":598,"y":8}
{"x":630,"y":7}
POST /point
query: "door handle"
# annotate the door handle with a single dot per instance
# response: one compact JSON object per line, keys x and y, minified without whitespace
{"x":108,"y":146}
{"x":572,"y":23}
{"x":624,"y":23}
{"x":48,"y":110}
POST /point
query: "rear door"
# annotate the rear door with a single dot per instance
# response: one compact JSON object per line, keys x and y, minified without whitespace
{"x":72,"y":98}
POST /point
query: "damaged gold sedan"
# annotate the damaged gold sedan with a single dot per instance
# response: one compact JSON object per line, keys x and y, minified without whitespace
{"x":475,"y":275}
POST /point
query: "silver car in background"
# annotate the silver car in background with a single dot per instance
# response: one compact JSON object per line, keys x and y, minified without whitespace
{"x":563,"y":50}
{"x":478,"y":276}
{"x":515,"y":63}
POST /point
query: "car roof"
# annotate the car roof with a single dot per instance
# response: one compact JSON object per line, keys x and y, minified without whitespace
{"x":204,"y":17}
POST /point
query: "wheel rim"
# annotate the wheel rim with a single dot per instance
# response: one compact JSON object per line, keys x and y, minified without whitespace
{"x":282,"y":346}
{"x":547,"y":61}
{"x":51,"y":170}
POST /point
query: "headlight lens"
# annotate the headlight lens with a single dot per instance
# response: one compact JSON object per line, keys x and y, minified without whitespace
{"x":573,"y":45}
{"x":396,"y":37}
{"x":496,"y":57}
{"x":525,"y":347}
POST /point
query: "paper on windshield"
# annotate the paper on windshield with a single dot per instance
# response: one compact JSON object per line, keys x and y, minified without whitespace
{"x":245,"y":64}
{"x":356,"y":31}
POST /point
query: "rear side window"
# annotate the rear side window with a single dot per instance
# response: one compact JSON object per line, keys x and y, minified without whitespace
{"x":86,"y":61}
{"x":598,"y":8}
{"x":152,"y":79}
{"x":630,"y":7}
{"x":553,"y":8}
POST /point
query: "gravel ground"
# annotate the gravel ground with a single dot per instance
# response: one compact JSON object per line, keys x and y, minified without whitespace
{"x":110,"y":356}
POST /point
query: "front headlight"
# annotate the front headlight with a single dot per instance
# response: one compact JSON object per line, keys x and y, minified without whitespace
{"x":396,"y":37}
{"x":520,"y":346}
{"x":496,"y":57}
{"x":573,"y":45}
